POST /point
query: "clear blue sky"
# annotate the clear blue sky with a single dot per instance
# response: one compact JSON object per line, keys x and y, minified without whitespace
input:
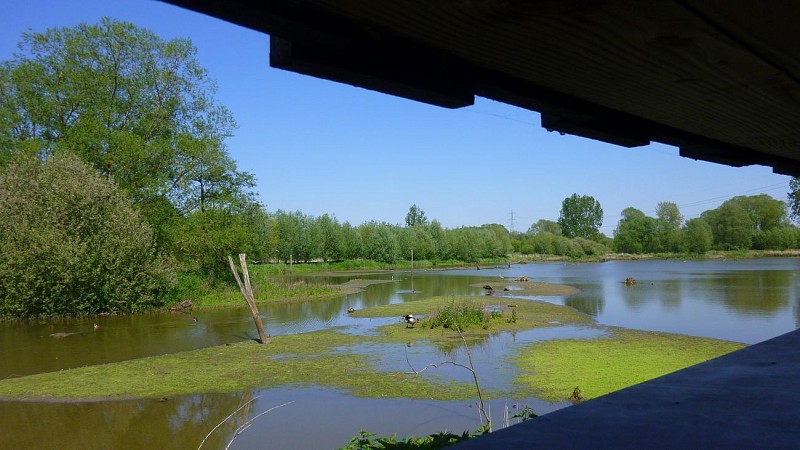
{"x":323,"y":147}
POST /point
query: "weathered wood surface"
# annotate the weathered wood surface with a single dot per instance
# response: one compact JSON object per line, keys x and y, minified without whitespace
{"x":247,"y":293}
{"x":719,"y":79}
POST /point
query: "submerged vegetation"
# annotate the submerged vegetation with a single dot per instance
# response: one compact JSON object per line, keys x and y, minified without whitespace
{"x":331,"y":358}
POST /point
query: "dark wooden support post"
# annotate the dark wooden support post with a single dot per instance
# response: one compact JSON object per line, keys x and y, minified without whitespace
{"x":247,"y":292}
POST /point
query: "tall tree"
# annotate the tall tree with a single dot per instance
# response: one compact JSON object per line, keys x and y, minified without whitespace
{"x":635,"y":232}
{"x":765,"y":212}
{"x":669,"y":224}
{"x":330,"y":237}
{"x":581,"y":216}
{"x":137,"y":108}
{"x":794,"y":198}
{"x":415,"y":216}
{"x":731,"y":226}
{"x":698,"y":236}
{"x":132,"y":105}
{"x":669,"y":213}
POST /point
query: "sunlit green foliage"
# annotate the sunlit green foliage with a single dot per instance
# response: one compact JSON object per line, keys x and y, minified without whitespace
{"x":698,"y":236}
{"x":140,"y":109}
{"x":544,"y":226}
{"x":72,"y":244}
{"x":581,"y":216}
{"x":415,"y":216}
{"x":460,"y":315}
{"x":636,"y":233}
{"x":794,"y":198}
{"x":368,"y":441}
{"x":620,"y":359}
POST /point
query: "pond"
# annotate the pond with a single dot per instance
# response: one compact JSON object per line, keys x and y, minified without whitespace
{"x":745,"y":301}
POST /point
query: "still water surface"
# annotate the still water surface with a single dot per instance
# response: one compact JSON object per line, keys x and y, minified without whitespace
{"x":745,"y":301}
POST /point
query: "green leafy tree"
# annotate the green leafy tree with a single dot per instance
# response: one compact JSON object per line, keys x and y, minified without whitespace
{"x":668,"y":226}
{"x":330,"y":238}
{"x":439,"y":248}
{"x":765,"y":212}
{"x":135,"y":107}
{"x":287,"y":230}
{"x":498,"y":240}
{"x":415,"y":216}
{"x":669,"y":213}
{"x":698,"y":236}
{"x":544,"y":226}
{"x":463,"y":243}
{"x":352,"y":245}
{"x":731,"y":226}
{"x":794,"y":198}
{"x":72,"y":244}
{"x":779,"y":238}
{"x":636,"y":232}
{"x":581,"y":216}
{"x":543,"y":243}
{"x":380,"y":242}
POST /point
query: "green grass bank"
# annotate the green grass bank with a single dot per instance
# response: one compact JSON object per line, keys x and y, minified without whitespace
{"x":326,"y":358}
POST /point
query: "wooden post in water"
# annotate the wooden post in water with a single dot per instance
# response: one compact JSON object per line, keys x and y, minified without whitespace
{"x":412,"y":271}
{"x":247,"y":292}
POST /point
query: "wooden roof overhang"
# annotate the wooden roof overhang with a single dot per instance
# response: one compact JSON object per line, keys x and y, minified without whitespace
{"x":718,"y":79}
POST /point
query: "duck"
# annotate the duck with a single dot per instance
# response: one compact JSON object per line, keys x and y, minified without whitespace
{"x":410,"y":320}
{"x":194,"y":319}
{"x":351,"y":310}
{"x":96,"y":327}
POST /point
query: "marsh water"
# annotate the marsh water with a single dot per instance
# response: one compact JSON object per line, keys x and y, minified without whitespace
{"x":745,"y":301}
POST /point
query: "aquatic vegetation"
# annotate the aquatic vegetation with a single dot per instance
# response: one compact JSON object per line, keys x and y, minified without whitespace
{"x":620,"y":359}
{"x":461,"y":315}
{"x":548,"y":369}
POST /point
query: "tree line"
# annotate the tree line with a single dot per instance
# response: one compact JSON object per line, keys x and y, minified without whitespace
{"x":757,"y":222}
{"x":115,"y":179}
{"x":295,"y":236}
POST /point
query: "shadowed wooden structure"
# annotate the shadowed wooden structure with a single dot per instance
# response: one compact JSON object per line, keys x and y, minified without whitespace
{"x":718,"y":79}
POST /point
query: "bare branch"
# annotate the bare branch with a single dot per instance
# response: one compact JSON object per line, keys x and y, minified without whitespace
{"x":483,"y":411}
{"x":247,"y":424}
{"x":226,"y":419}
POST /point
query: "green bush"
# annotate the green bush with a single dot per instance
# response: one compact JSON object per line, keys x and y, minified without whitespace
{"x":72,"y":244}
{"x":461,"y":315}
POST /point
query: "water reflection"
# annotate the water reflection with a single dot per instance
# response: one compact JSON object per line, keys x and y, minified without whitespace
{"x":745,"y":301}
{"x":177,"y":423}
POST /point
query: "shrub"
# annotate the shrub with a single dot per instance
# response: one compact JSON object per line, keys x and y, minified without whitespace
{"x":72,"y":244}
{"x":462,"y":315}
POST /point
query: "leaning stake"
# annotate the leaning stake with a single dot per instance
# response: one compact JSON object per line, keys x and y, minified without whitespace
{"x":247,"y":292}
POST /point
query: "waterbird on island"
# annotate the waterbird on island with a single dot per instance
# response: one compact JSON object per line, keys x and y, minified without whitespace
{"x":410,"y":320}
